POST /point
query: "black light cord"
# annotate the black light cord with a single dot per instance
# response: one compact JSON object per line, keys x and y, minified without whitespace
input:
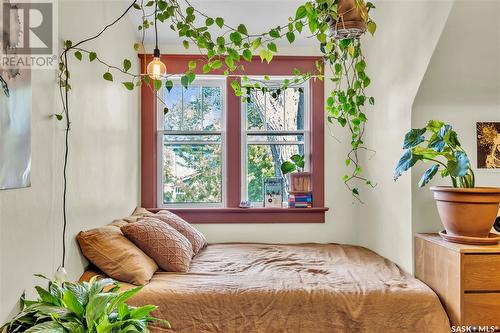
{"x":68,"y":126}
{"x":156,"y":31}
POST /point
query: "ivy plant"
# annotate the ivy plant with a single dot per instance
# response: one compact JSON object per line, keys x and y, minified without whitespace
{"x":229,"y":47}
{"x":438,"y":144}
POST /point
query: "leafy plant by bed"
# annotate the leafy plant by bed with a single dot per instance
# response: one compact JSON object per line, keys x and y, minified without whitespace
{"x":436,"y":143}
{"x":96,"y":306}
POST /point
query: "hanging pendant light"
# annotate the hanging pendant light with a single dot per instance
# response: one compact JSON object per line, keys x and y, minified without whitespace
{"x":156,"y":69}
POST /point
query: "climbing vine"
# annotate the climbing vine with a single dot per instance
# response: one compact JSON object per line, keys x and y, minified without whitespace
{"x":229,"y":47}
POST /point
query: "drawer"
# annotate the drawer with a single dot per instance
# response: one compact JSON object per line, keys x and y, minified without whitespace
{"x":481,"y":272}
{"x":482,"y":309}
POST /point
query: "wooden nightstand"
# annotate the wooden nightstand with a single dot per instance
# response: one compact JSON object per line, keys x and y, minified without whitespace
{"x":465,"y":277}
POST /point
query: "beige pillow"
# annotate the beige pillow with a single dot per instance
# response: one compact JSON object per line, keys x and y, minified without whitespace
{"x":138,"y":213}
{"x":196,"y":238}
{"x":115,"y":255}
{"x":171,"y":251}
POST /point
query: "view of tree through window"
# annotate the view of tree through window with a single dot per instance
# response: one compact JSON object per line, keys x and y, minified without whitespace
{"x":275,"y":130}
{"x":192,"y":144}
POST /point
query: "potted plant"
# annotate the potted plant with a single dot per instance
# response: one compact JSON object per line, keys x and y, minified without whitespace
{"x":467,"y":212}
{"x":87,"y":307}
{"x":350,"y":20}
{"x":298,"y":180}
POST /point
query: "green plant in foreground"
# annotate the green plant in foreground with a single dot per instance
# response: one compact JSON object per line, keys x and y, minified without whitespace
{"x":296,"y":163}
{"x":440,"y":147}
{"x":81,"y":308}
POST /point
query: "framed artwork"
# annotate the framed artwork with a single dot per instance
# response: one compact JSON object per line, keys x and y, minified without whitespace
{"x":488,"y":145}
{"x":273,"y":192}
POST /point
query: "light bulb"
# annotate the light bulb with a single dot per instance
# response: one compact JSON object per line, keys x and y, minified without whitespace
{"x":61,"y":275}
{"x":156,"y":68}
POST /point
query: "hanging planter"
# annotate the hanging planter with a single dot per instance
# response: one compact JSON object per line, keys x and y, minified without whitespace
{"x":351,"y":20}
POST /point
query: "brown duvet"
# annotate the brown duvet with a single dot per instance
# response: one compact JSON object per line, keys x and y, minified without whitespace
{"x":307,"y":288}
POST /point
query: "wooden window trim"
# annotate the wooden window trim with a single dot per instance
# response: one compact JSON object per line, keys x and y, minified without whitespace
{"x":280,"y":66}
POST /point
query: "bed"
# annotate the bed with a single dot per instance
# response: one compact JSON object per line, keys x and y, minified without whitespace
{"x":266,"y":288}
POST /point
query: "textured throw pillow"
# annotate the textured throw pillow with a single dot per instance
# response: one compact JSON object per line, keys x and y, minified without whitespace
{"x":196,"y":238}
{"x":171,"y":251}
{"x":115,"y":255}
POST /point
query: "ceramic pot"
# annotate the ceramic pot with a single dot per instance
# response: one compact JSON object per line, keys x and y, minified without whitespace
{"x":300,"y":182}
{"x":469,"y":212}
{"x":349,"y":23}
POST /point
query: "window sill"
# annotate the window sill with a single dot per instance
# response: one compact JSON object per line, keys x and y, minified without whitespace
{"x":249,"y":215}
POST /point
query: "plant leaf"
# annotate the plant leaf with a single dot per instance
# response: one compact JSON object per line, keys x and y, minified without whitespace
{"x":434,"y":125}
{"x":406,"y":162}
{"x":414,"y":138}
{"x":287,"y":167}
{"x":46,"y":327}
{"x":128,"y":85}
{"x":126,"y":65}
{"x":428,"y":175}
{"x":108,"y":76}
{"x":157,"y":84}
{"x":458,"y":166}
{"x":72,"y":303}
{"x":78,"y":55}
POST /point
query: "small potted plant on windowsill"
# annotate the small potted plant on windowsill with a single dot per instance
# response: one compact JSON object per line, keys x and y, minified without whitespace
{"x":467,"y":212}
{"x":298,"y":180}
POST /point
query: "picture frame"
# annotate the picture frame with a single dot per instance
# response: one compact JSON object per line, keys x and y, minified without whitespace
{"x":273,"y":192}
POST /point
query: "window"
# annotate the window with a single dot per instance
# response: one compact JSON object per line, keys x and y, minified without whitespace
{"x":191,"y":145}
{"x":274,"y":127}
{"x":210,"y":151}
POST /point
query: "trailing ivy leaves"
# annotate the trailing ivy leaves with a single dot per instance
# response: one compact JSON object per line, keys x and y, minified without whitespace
{"x":108,"y":76}
{"x":129,"y":85}
{"x":126,"y":65}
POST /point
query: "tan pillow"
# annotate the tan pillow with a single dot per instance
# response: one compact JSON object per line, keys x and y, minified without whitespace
{"x":115,"y":255}
{"x":171,"y":251}
{"x":196,"y":238}
{"x":138,"y":213}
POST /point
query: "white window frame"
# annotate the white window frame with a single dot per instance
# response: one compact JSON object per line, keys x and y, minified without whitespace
{"x":205,"y":81}
{"x":245,"y":132}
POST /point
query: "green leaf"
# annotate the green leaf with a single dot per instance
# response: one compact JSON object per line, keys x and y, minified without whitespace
{"x":143,"y":311}
{"x":219,"y":21}
{"x":290,"y":36}
{"x":256,"y":43}
{"x":425,"y":153}
{"x":274,"y":33}
{"x":108,"y":76}
{"x":59,"y":117}
{"x":405,"y":163}
{"x":136,"y":46}
{"x":47,"y":297}
{"x":72,"y":303}
{"x":157,"y":84}
{"x":355,"y":191}
{"x":300,"y":13}
{"x":217,"y":64}
{"x":272,"y":47}
{"x":68,"y":44}
{"x":434,"y":125}
{"x":126,"y":65}
{"x":184,"y":81}
{"x":78,"y":55}
{"x":296,"y":158}
{"x":235,"y":37}
{"x":46,"y":327}
{"x":287,"y":167}
{"x":185,"y":43}
{"x":192,"y":65}
{"x":209,"y":21}
{"x":414,"y":138}
{"x":428,"y":175}
{"x":247,"y":55}
{"x":92,"y":56}
{"x":299,"y":26}
{"x":458,"y":166}
{"x":372,"y":27}
{"x":128,"y":85}
{"x":243,"y":29}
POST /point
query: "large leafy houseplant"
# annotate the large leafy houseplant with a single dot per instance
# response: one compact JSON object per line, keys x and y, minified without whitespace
{"x":438,"y":144}
{"x":467,"y":212}
{"x":96,"y":306}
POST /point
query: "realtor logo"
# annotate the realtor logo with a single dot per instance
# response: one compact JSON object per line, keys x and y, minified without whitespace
{"x":28,"y":36}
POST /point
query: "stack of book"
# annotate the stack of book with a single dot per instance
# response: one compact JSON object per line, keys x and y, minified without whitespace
{"x":300,"y":200}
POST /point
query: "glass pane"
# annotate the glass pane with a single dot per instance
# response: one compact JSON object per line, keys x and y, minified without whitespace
{"x":192,"y":173}
{"x":204,"y":138}
{"x":264,"y":161}
{"x":173,"y":100}
{"x":275,"y":138}
{"x":284,"y":111}
{"x":212,"y":108}
{"x":192,"y":109}
{"x":294,"y":109}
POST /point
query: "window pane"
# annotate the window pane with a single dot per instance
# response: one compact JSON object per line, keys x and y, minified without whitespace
{"x":284,"y":111}
{"x":276,"y":138}
{"x":212,"y":108}
{"x":204,"y":138}
{"x":264,"y":161}
{"x":173,"y":100}
{"x":192,"y":173}
{"x":193,"y":109}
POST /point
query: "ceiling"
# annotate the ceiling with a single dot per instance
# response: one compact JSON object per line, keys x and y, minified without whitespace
{"x":258,"y":15}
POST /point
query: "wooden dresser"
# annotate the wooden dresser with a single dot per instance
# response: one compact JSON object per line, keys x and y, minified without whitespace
{"x":465,"y":277}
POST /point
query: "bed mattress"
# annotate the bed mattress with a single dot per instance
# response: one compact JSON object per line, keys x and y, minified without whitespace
{"x":305,"y":288}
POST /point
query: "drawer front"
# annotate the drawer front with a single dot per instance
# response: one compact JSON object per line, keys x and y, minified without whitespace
{"x":482,"y":309}
{"x":481,"y":272}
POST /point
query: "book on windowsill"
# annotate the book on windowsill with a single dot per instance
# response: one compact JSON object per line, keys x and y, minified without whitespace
{"x":300,"y":200}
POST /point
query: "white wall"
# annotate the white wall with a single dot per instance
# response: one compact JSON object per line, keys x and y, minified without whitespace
{"x":461,"y":87}
{"x":397,"y":59}
{"x":103,"y":164}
